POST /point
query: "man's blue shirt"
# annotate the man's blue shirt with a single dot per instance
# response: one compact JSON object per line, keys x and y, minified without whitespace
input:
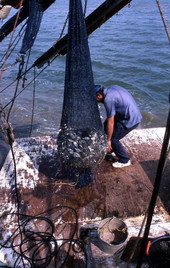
{"x":120,"y":103}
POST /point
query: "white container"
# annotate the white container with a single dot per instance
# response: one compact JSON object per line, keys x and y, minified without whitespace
{"x":4,"y":11}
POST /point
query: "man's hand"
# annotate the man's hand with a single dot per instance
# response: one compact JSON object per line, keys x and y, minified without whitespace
{"x":109,"y":146}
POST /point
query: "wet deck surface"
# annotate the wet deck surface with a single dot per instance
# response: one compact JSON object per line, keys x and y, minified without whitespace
{"x":123,"y":193}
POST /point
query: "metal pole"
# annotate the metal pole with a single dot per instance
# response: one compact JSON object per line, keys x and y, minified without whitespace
{"x":155,"y":190}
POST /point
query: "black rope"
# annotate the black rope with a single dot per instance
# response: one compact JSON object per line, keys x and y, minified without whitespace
{"x":27,"y":243}
{"x":17,"y":195}
{"x":13,"y":44}
{"x":64,"y":26}
{"x":12,"y":100}
{"x":24,"y":74}
{"x":85,"y":7}
{"x":21,"y":65}
{"x":8,"y":86}
{"x":33,"y":106}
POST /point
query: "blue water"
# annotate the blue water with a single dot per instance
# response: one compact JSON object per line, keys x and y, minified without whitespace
{"x":131,"y":50}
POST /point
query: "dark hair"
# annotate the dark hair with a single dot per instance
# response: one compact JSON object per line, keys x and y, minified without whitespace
{"x":101,"y":90}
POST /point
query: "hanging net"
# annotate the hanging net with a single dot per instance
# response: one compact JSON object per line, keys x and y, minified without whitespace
{"x":81,"y":140}
{"x":35,"y":16}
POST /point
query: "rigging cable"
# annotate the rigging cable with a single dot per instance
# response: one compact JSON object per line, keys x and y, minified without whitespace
{"x":11,"y":38}
{"x":24,"y":74}
{"x":163,"y":19}
{"x":64,"y":26}
{"x":85,"y":7}
{"x":17,"y":193}
{"x":8,"y":86}
{"x":21,"y":65}
{"x":33,"y":65}
{"x":19,"y":35}
{"x":33,"y":106}
{"x":20,"y":76}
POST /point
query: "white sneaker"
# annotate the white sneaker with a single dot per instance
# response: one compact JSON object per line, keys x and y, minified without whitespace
{"x":121,"y":165}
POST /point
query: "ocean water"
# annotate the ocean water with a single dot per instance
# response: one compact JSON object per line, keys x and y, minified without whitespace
{"x":131,"y":50}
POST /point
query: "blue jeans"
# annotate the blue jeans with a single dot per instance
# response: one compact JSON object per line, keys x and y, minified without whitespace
{"x":119,"y":132}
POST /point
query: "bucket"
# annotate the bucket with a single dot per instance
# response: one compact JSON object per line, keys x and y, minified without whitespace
{"x":113,"y":231}
{"x":109,"y":235}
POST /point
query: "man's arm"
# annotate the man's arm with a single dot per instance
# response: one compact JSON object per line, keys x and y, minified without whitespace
{"x":110,"y":128}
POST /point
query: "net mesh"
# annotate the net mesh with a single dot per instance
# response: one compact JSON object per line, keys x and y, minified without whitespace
{"x":33,"y":24}
{"x":81,"y":140}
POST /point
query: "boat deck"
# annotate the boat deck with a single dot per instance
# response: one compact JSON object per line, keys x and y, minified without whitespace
{"x":124,"y":193}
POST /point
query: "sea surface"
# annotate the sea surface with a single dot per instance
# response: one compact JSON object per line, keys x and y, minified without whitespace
{"x":131,"y":50}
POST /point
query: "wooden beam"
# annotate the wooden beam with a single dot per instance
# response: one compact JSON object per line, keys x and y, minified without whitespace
{"x":8,"y":27}
{"x":100,"y":15}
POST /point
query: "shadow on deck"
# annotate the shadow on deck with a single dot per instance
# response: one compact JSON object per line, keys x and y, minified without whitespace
{"x":123,"y":193}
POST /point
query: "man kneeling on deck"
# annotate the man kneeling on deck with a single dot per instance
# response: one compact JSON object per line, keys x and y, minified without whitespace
{"x":123,"y":115}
